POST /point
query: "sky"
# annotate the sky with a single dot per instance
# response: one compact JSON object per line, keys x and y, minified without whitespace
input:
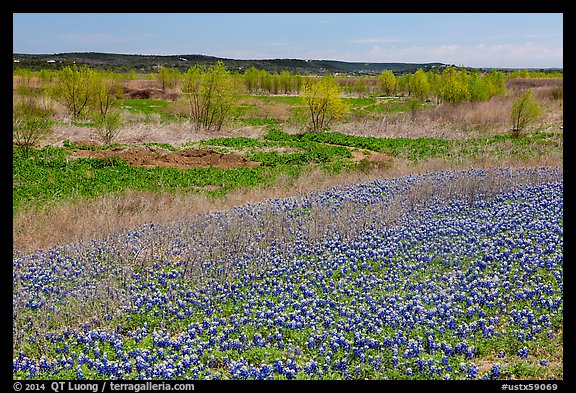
{"x":498,"y":40}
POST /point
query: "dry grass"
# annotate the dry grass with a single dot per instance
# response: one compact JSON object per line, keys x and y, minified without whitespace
{"x":178,"y":107}
{"x":32,"y":82}
{"x":459,"y":121}
{"x":83,"y":220}
{"x":271,"y":110}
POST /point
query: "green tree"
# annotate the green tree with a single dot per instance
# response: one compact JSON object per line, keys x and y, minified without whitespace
{"x":251,"y":79}
{"x":211,"y":94}
{"x":525,"y":109}
{"x":297,"y":82}
{"x":477,"y":87}
{"x":419,"y":85}
{"x":265,"y":80}
{"x":404,"y":83}
{"x":275,"y":83}
{"x":323,"y":99}
{"x":435,"y":80}
{"x":387,"y":82}
{"x":453,"y":86}
{"x":495,"y":83}
{"x":285,"y":82}
{"x":360,"y":87}
{"x":74,"y":90}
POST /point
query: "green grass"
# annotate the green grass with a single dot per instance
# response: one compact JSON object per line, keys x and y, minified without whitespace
{"x":415,"y":149}
{"x":372,"y":105}
{"x":147,"y":107}
{"x":289,"y":100}
{"x":50,"y":175}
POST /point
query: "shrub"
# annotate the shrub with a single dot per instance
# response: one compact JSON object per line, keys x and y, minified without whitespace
{"x":107,"y":126}
{"x":31,"y":122}
{"x":525,"y":109}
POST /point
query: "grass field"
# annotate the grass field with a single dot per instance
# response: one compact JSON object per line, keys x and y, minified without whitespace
{"x":410,"y":241}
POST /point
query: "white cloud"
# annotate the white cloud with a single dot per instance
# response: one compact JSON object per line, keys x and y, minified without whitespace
{"x":480,"y":55}
{"x":374,"y":40}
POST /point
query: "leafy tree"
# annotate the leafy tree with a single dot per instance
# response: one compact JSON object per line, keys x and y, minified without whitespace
{"x":525,"y":109}
{"x":211,"y":93}
{"x":275,"y":88}
{"x":453,"y":86}
{"x":387,"y":82}
{"x":404,"y":82}
{"x":419,"y":85}
{"x":495,"y":83}
{"x":285,"y":82}
{"x":251,"y":79}
{"x":477,"y":87}
{"x":297,"y":82}
{"x":435,"y":81}
{"x":360,"y":87}
{"x":323,"y":99}
{"x":74,"y":89}
{"x":265,"y":80}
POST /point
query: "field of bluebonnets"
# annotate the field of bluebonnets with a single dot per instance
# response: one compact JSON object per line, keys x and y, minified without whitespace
{"x":448,"y":275}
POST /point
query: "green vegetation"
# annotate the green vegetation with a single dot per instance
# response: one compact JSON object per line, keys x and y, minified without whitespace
{"x":211,"y":97}
{"x":107,"y":126}
{"x":146,"y":106}
{"x":525,"y":109}
{"x":49,"y":175}
{"x":211,"y":94}
{"x":323,"y":101}
{"x":387,"y":82}
{"x":74,"y":90}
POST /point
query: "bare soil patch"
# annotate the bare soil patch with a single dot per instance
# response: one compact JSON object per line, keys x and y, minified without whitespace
{"x":152,"y":156}
{"x":372,"y":156}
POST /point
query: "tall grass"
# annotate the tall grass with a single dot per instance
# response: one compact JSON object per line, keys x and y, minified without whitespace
{"x":81,"y":220}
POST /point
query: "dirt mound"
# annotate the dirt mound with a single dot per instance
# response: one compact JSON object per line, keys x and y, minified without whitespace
{"x":151,"y":156}
{"x":148,"y":89}
{"x":143,"y":93}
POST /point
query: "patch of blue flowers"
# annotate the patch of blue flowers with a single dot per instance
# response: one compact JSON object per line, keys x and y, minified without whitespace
{"x":451,"y":281}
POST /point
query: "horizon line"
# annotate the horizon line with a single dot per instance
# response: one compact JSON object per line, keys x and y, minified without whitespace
{"x":279,"y":58}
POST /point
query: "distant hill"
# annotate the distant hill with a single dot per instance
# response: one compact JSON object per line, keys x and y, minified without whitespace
{"x":150,"y":63}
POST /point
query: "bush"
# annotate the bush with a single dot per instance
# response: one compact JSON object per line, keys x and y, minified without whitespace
{"x":525,"y":109}
{"x":32,"y":122}
{"x":108,"y":126}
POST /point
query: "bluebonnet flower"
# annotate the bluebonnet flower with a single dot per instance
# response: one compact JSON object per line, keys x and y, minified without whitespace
{"x":523,"y":353}
{"x":435,"y":281}
{"x":495,"y":371}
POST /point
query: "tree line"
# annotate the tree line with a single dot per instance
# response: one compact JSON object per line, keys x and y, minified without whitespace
{"x":210,"y":94}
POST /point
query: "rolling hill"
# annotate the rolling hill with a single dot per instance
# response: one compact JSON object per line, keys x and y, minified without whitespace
{"x":150,"y":63}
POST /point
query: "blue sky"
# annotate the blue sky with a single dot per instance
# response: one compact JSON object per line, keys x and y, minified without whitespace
{"x":522,"y":40}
